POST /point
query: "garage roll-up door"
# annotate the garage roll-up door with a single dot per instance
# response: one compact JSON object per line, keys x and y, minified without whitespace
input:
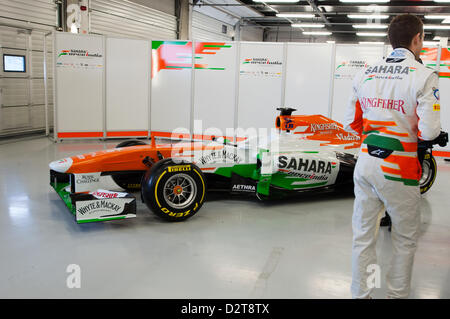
{"x":23,"y":26}
{"x":41,"y":12}
{"x":127,"y":19}
{"x":205,"y":28}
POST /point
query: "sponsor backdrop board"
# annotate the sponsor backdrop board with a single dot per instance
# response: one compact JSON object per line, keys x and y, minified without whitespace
{"x":308,"y":74}
{"x":79,"y":85}
{"x":171,"y":85}
{"x":127,"y":87}
{"x":260,"y":84}
{"x":215,"y":86}
{"x":350,"y":59}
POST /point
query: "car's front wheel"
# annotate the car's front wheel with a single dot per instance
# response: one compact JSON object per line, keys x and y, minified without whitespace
{"x":174,"y":191}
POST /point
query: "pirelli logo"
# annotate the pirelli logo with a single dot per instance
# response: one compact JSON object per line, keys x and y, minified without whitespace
{"x":436,"y":107}
{"x":179,"y":168}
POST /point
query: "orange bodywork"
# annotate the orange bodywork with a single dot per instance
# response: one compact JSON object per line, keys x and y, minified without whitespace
{"x":318,"y":128}
{"x":132,"y":158}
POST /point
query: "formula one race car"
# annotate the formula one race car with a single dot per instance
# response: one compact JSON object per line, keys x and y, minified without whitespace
{"x":310,"y":153}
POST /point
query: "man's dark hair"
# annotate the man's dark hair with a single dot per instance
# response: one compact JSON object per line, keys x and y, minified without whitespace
{"x":402,"y":30}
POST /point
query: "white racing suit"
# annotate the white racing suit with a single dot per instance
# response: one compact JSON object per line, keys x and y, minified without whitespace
{"x":394,"y":102}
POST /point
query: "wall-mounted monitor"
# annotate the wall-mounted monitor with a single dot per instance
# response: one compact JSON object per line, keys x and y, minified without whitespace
{"x":14,"y":63}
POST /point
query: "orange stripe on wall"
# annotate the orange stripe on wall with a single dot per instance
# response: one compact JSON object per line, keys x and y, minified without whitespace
{"x":79,"y":134}
{"x":127,"y":133}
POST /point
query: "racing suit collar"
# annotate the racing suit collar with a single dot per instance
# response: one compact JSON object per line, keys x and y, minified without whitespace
{"x":405,"y":52}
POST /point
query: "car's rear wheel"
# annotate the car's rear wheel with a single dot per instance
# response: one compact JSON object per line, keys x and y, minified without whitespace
{"x":429,"y":170}
{"x":174,"y":191}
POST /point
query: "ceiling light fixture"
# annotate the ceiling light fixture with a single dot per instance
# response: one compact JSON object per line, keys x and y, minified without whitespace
{"x":316,"y":33}
{"x":307,"y":25}
{"x":364,"y":1}
{"x":367,"y":16}
{"x":370,"y":42}
{"x":369,"y":26}
{"x":436,"y":27}
{"x":276,"y":1}
{"x":436,"y":17}
{"x":371,"y":34}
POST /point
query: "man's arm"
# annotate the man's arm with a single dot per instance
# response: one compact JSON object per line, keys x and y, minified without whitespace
{"x":353,"y":121}
{"x":428,"y":109}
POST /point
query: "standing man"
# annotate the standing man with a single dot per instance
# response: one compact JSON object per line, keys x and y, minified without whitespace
{"x":394,"y":102}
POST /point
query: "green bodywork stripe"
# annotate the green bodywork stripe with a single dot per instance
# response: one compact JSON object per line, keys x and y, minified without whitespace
{"x":244,"y":170}
{"x":65,"y":196}
{"x":99,"y":220}
{"x":407,"y":182}
{"x":310,"y":185}
{"x":389,"y":143}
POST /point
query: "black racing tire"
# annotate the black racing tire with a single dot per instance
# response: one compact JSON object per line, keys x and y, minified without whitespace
{"x":129,"y":181}
{"x":429,"y":172}
{"x":130,"y":143}
{"x":174,"y":191}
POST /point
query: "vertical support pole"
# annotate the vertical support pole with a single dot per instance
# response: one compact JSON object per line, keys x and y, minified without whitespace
{"x":104,"y":86}
{"x":47,"y":128}
{"x":236,"y":90}
{"x":30,"y":78}
{"x":331,"y":85}
{"x":55,"y":83}
{"x":191,"y":117}
{"x":284,"y":75}
{"x":150,"y":94}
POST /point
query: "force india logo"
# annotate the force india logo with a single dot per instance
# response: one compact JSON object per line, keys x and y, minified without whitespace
{"x":83,"y":53}
{"x":99,"y":205}
{"x":260,"y":61}
{"x":306,"y":165}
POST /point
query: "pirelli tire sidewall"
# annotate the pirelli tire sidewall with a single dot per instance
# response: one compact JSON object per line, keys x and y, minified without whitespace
{"x":153,"y":183}
{"x":431,"y":162}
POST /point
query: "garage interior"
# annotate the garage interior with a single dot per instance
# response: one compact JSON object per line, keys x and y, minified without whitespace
{"x":236,"y":246}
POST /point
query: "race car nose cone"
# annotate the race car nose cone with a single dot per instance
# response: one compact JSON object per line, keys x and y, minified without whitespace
{"x":61,"y":166}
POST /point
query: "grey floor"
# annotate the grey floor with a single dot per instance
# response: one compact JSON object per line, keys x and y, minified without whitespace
{"x":233,"y":248}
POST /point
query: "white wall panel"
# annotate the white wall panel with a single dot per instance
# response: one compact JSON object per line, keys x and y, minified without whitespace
{"x":350,"y":59}
{"x":260,"y":84}
{"x":308,"y":74}
{"x":215,"y":85}
{"x":127,"y":84}
{"x":171,"y":85}
{"x":79,"y":83}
